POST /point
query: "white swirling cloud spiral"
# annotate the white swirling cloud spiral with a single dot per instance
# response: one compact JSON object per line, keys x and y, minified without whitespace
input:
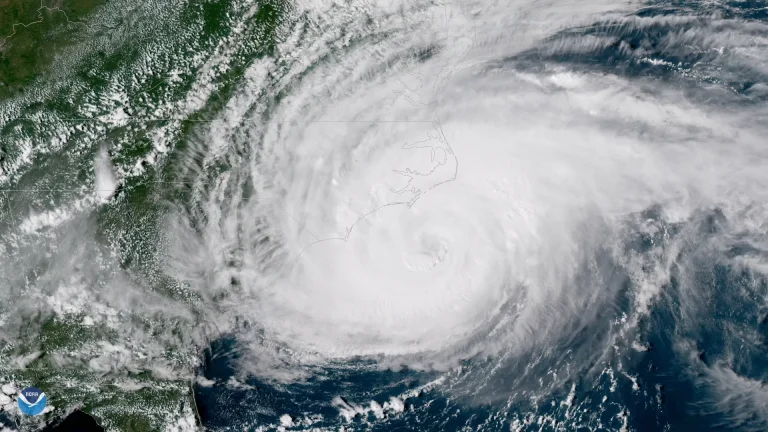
{"x":421,"y":191}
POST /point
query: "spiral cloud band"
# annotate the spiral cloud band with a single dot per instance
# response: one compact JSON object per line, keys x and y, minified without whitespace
{"x":368,"y":214}
{"x":417,"y":186}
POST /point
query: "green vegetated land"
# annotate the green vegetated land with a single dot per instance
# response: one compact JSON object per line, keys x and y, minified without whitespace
{"x":57,"y":349}
{"x":31,"y":32}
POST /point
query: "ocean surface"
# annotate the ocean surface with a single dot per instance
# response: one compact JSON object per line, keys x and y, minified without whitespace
{"x":391,"y":216}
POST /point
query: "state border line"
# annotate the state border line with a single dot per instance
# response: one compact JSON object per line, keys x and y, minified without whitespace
{"x":134,"y":119}
{"x":95,"y":190}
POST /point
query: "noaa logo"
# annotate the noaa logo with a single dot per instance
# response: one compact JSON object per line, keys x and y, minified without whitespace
{"x":31,"y":401}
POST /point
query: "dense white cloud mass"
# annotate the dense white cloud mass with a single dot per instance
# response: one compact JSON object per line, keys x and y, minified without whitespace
{"x":421,"y":192}
{"x":399,"y":183}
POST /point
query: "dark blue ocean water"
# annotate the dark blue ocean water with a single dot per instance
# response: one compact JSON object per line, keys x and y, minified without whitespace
{"x":695,"y":362}
{"x":670,"y":387}
{"x":701,"y":364}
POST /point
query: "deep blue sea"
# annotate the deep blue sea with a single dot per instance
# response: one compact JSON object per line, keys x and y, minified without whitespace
{"x":699,"y":367}
{"x":695,"y":360}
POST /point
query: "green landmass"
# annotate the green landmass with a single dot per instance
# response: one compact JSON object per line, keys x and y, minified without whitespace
{"x":31,"y":33}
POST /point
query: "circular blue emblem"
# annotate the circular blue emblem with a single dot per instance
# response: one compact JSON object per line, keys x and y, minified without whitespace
{"x":31,"y":401}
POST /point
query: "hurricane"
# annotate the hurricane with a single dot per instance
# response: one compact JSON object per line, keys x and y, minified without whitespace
{"x":385,"y":215}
